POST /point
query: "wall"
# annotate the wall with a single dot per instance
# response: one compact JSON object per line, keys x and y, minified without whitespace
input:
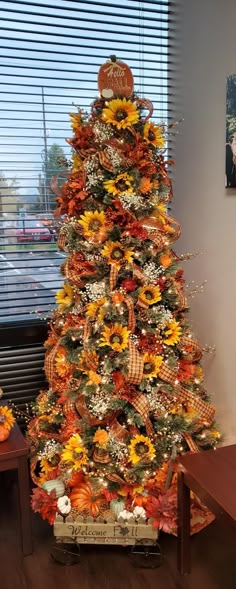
{"x":205,"y":209}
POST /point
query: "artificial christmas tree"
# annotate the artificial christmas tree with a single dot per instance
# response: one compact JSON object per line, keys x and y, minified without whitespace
{"x":126,"y":393}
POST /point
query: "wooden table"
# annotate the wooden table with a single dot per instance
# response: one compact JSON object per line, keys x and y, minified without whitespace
{"x":14,"y":455}
{"x":211,"y":475}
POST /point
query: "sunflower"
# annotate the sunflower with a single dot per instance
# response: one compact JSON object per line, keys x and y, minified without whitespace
{"x":121,"y":113}
{"x":141,"y":448}
{"x":153,"y":134}
{"x":75,"y":453}
{"x":94,"y":225}
{"x":65,"y":296}
{"x":76,"y":162}
{"x":6,"y":418}
{"x":76,"y":121}
{"x":149,"y":294}
{"x":117,"y":254}
{"x":94,"y":310}
{"x":50,"y":464}
{"x":172,"y":333}
{"x":122,"y":184}
{"x":151,"y":365}
{"x":116,"y":336}
{"x":101,"y":437}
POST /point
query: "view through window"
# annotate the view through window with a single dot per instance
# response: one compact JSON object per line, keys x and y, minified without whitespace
{"x":50,"y":55}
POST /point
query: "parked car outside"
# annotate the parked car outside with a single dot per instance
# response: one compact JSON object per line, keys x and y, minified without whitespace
{"x":49,"y":221}
{"x":31,"y":229}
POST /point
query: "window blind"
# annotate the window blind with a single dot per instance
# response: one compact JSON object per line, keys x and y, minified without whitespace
{"x":50,"y":55}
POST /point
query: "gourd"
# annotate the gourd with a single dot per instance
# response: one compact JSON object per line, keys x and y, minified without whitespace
{"x":4,"y":433}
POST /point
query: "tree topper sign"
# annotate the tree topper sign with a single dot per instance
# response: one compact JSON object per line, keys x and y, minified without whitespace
{"x":115,"y":79}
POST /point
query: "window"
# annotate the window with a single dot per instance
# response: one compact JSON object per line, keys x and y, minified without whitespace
{"x":50,"y":55}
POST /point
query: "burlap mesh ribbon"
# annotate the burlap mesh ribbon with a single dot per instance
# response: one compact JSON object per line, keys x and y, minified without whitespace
{"x":205,"y":411}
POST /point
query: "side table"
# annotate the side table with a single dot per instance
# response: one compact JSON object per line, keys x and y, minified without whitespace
{"x":211,"y":475}
{"x":14,"y":455}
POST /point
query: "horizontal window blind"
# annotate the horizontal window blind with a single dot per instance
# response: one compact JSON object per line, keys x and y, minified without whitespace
{"x":50,"y":55}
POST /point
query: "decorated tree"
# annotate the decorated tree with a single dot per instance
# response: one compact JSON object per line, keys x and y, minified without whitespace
{"x":126,"y":391}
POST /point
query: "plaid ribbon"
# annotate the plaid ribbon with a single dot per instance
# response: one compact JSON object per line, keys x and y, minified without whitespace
{"x":71,"y":274}
{"x":87,"y":332}
{"x":205,"y":410}
{"x":54,"y":181}
{"x":76,"y":269}
{"x":105,"y":161}
{"x":191,"y":444}
{"x":141,"y":404}
{"x":138,"y":273}
{"x":147,"y":105}
{"x":135,"y":365}
{"x":115,"y":478}
{"x":173,"y":221}
{"x":61,"y":240}
{"x":49,"y":361}
{"x":113,"y":276}
{"x":69,"y":411}
{"x":117,"y":430}
{"x":191,"y":347}
{"x":131,"y":317}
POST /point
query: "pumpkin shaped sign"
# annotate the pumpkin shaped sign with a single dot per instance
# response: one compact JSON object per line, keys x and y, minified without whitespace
{"x":115,"y":79}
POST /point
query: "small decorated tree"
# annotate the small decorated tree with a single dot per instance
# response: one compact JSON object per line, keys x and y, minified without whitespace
{"x":126,"y":393}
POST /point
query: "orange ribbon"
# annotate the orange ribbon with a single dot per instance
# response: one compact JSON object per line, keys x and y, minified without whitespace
{"x":205,"y":410}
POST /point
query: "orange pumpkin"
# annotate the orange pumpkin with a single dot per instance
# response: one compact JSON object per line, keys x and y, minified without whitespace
{"x":4,"y":433}
{"x":115,"y":79}
{"x":85,"y":498}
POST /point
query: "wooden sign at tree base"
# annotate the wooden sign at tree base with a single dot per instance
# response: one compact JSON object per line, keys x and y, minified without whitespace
{"x":90,"y":531}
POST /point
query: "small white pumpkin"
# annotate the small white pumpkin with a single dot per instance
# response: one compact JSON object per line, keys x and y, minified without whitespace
{"x":124,"y":515}
{"x":139,"y":512}
{"x":64,"y":505}
{"x":55,"y":485}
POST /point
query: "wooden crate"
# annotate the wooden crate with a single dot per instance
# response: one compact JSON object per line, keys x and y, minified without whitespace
{"x":90,"y":531}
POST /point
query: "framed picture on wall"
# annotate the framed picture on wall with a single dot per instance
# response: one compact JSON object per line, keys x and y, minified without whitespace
{"x":230,"y":148}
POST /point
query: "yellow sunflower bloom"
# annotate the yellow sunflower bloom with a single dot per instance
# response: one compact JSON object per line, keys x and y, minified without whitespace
{"x":121,"y":113}
{"x":95,"y":311}
{"x":122,"y":184}
{"x":172,"y":333}
{"x":101,"y":437}
{"x":154,"y":134}
{"x":94,"y":225}
{"x":116,"y":254}
{"x":116,"y":336}
{"x":75,"y":453}
{"x":65,"y":296}
{"x":48,"y":465}
{"x":141,"y":448}
{"x":149,"y":294}
{"x":6,"y":418}
{"x":151,"y":365}
{"x":75,"y":121}
{"x":76,"y":162}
